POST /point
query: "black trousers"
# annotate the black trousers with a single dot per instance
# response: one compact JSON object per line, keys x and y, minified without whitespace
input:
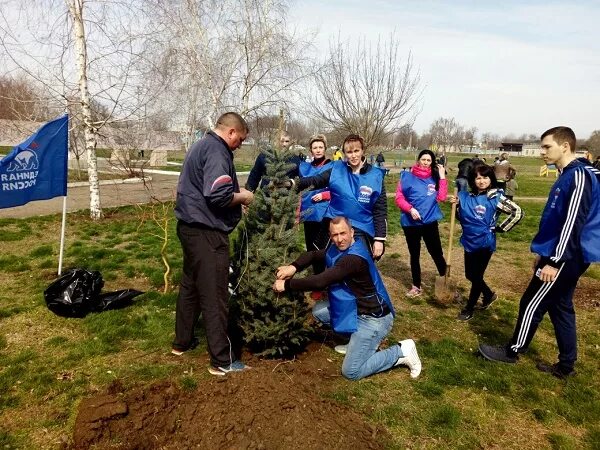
{"x":555,"y":298}
{"x":203,"y":289}
{"x":475,"y":265}
{"x":316,"y":236}
{"x":431,"y":236}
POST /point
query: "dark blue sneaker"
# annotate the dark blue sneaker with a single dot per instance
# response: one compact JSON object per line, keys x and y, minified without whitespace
{"x":236,"y":366}
{"x":556,"y":370}
{"x":497,"y":354}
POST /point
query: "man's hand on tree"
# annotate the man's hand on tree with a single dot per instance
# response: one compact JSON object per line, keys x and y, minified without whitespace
{"x":279,"y":286}
{"x":247,"y":196}
{"x":285,"y":272}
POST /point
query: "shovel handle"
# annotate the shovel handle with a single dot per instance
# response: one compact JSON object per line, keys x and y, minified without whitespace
{"x":451,"y":238}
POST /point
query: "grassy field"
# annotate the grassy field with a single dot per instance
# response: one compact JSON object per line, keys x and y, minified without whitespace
{"x":48,"y":363}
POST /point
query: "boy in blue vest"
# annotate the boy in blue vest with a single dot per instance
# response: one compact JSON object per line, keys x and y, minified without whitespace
{"x":567,"y":242}
{"x":358,"y":304}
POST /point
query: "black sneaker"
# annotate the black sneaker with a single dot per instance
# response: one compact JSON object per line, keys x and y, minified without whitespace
{"x":465,"y":315}
{"x":497,"y":353}
{"x":556,"y":370}
{"x":486,"y":303}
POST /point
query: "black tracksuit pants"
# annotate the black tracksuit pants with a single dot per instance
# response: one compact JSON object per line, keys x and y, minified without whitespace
{"x":204,"y":289}
{"x":475,"y":265}
{"x":556,"y":298}
{"x":431,"y":236}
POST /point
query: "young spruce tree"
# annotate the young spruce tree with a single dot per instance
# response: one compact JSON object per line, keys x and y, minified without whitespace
{"x":273,"y":325}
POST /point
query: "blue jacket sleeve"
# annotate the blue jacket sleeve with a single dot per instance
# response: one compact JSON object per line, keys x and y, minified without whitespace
{"x":575,"y":217}
{"x":258,"y":171}
{"x":218,"y":184}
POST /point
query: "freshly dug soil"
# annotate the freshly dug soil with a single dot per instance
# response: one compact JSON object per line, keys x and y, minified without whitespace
{"x":276,"y":405}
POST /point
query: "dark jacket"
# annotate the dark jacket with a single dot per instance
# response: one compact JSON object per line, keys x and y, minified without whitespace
{"x":259,"y":170}
{"x":207,"y":184}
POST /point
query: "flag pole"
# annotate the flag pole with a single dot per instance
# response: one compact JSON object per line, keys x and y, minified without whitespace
{"x":62,"y":235}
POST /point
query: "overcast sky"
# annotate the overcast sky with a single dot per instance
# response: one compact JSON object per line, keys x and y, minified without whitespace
{"x":502,"y":66}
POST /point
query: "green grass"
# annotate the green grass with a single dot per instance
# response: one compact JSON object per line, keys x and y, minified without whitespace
{"x":48,"y":363}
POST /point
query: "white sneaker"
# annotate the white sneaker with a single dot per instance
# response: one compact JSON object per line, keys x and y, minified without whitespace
{"x":341,"y":349}
{"x":410,"y":358}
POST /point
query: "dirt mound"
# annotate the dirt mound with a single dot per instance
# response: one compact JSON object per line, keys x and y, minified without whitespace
{"x":268,"y":407}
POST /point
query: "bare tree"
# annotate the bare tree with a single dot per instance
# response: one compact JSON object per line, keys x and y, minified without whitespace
{"x":490,"y":141}
{"x":81,"y":53}
{"x":20,"y":99}
{"x":446,"y":134}
{"x":366,"y":88}
{"x":405,"y":136}
{"x":470,"y":137}
{"x":220,"y":55}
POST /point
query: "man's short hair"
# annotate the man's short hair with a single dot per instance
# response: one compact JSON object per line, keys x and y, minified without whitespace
{"x":285,"y":134}
{"x":339,"y":219}
{"x":317,"y":138}
{"x":232,"y":120}
{"x":354,"y":138}
{"x":562,"y":135}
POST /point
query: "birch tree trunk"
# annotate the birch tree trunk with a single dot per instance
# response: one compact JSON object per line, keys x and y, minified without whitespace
{"x":76,"y":12}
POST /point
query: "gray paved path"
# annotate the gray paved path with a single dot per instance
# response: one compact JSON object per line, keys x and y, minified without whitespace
{"x":162,"y":187}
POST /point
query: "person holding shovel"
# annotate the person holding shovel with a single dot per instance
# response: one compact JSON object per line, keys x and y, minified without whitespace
{"x":417,"y":196}
{"x":478,"y":212}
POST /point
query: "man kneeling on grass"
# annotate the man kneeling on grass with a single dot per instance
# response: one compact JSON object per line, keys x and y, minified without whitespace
{"x":358,"y":303}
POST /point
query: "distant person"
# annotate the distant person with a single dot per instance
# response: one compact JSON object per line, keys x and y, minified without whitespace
{"x":417,"y":195}
{"x":478,"y":212}
{"x":511,"y":186}
{"x":597,"y":163}
{"x":358,"y":304}
{"x":502,"y":169}
{"x":257,"y":176}
{"x":565,"y":245}
{"x":380,"y":160}
{"x":338,"y":155}
{"x":462,"y":178}
{"x":208,"y":208}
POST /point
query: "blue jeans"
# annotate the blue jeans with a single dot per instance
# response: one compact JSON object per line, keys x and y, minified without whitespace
{"x":362,"y":358}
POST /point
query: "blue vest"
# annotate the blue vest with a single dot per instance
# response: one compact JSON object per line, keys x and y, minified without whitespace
{"x":312,"y":211}
{"x":421,"y":194}
{"x":478,"y":219}
{"x":342,"y":301}
{"x":354,"y":195}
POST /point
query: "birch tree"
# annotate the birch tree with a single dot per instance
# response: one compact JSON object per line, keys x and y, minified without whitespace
{"x":76,"y":13}
{"x":79,"y":53}
{"x":214,"y":56}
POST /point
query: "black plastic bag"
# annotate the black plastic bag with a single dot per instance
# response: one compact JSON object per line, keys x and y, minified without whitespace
{"x":116,"y":299}
{"x":77,"y":293}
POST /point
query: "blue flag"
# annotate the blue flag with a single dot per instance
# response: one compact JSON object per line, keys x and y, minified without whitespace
{"x":36,"y":169}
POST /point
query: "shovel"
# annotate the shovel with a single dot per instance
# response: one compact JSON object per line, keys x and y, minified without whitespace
{"x":442,"y":286}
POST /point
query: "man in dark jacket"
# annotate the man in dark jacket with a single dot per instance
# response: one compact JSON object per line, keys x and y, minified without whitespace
{"x":208,"y":208}
{"x":259,"y":170}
